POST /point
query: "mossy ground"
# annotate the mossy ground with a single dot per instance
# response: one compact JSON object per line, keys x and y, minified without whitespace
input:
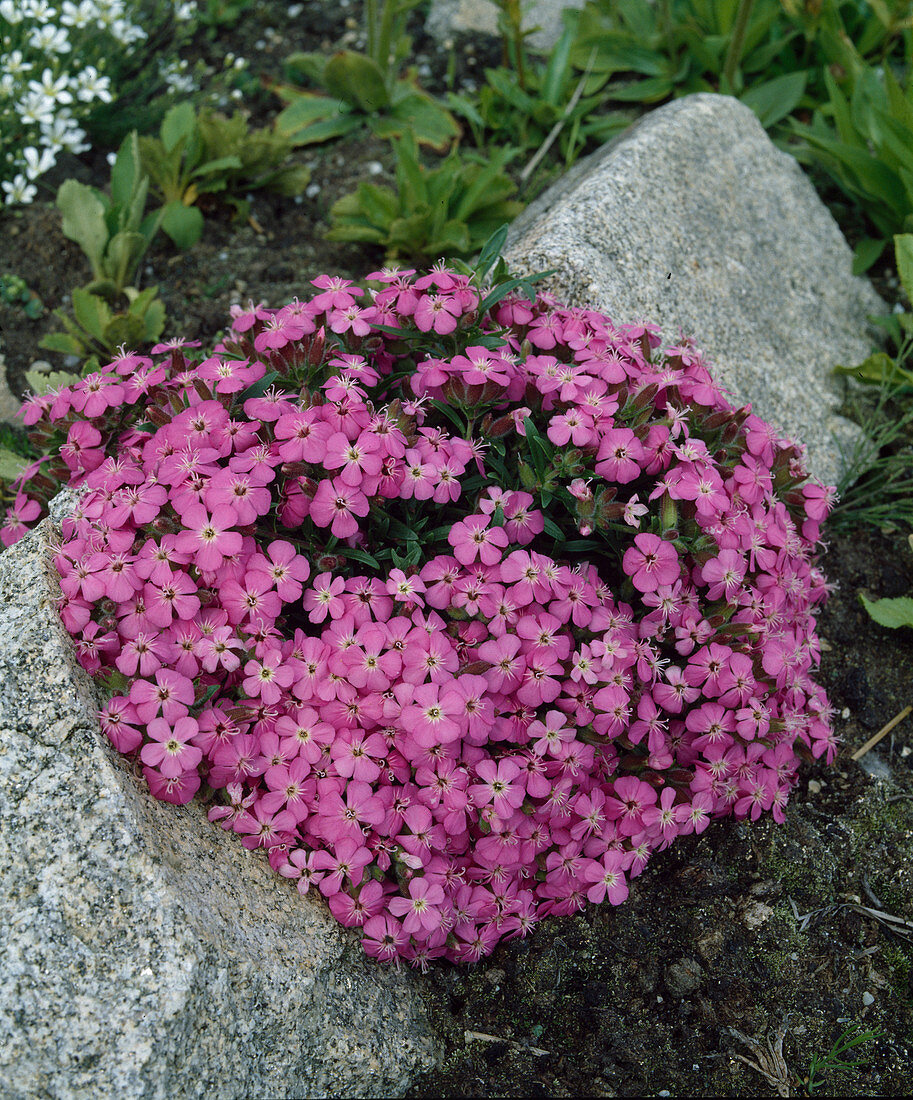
{"x":640,"y":999}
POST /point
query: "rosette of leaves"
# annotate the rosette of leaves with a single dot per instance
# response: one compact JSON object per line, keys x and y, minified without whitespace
{"x":208,"y":154}
{"x":444,"y":211}
{"x":357,"y":92}
{"x":114,"y":232}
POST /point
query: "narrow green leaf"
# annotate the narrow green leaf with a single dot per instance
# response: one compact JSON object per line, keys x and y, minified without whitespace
{"x":903,"y":253}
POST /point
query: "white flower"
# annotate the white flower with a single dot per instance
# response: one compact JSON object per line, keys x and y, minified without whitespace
{"x":36,"y":108}
{"x":184,"y":9}
{"x":49,"y":39}
{"x":15,"y":64}
{"x":19,"y":190}
{"x":40,"y":10}
{"x":8,"y":85}
{"x":81,"y":15}
{"x":93,"y":86}
{"x":126,"y":33}
{"x":36,"y":164}
{"x":12,"y":13}
{"x":63,"y":133}
{"x":54,"y":90}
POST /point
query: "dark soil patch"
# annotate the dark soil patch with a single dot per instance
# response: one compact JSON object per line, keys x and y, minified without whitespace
{"x":637,"y":1000}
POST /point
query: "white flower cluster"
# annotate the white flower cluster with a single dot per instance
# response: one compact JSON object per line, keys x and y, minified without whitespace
{"x":47,"y":80}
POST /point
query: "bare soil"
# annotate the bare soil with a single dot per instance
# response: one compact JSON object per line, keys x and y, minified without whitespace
{"x":757,"y":929}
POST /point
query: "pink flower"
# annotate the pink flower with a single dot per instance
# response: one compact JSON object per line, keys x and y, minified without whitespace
{"x":651,"y":562}
{"x":335,"y":505}
{"x":170,"y":750}
{"x":209,"y":538}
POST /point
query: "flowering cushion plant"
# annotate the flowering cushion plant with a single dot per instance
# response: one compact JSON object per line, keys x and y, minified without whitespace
{"x":458,"y":602}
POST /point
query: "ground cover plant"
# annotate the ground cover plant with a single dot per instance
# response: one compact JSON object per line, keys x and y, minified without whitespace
{"x":527,"y":691}
{"x":731,"y":932}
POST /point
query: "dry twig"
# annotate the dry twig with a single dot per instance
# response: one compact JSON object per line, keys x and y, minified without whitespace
{"x":883,"y":732}
{"x":770,"y":1061}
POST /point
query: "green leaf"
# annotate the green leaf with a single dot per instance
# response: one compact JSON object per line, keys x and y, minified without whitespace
{"x":903,"y":253}
{"x":890,"y":613}
{"x":490,"y":252}
{"x":61,"y":342}
{"x":41,"y":382}
{"x":179,"y":122}
{"x":123,"y":256}
{"x":356,"y":79}
{"x":866,"y":253}
{"x":84,"y":221}
{"x":183,"y":224}
{"x":11,"y":464}
{"x":878,"y":368}
{"x":307,"y":111}
{"x":217,"y":165}
{"x":429,"y":123}
{"x":775,"y":99}
{"x":360,"y":556}
{"x":125,"y":173}
{"x":259,"y":388}
{"x":552,"y":528}
{"x":91,"y":312}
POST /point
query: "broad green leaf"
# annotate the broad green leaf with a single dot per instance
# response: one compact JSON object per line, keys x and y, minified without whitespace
{"x":125,"y":173}
{"x":775,"y":99}
{"x":890,"y":613}
{"x":866,"y":253}
{"x":179,"y":122}
{"x":61,"y":342}
{"x":91,"y":312}
{"x":183,"y":224}
{"x":356,"y":79}
{"x":84,"y":221}
{"x":11,"y":464}
{"x":379,"y":204}
{"x":41,"y":382}
{"x":307,"y":111}
{"x":430,"y":123}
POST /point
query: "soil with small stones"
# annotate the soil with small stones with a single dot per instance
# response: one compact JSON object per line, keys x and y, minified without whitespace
{"x":728,"y":941}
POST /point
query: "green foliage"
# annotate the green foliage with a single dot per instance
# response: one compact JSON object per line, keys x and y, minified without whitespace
{"x":97,"y":329}
{"x":111,"y":230}
{"x":889,"y":612}
{"x":218,"y":14}
{"x":864,"y":140}
{"x":532,"y":104}
{"x":207,"y":153}
{"x":835,"y":1059}
{"x":880,"y":368}
{"x":357,"y":93}
{"x":444,"y":211}
{"x":14,"y":292}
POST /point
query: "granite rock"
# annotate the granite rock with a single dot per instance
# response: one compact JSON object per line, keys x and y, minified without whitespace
{"x":145,"y":952}
{"x":449,"y":17}
{"x":693,"y":219}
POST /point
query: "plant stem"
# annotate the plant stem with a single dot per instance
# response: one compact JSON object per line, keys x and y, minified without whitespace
{"x":737,"y":42}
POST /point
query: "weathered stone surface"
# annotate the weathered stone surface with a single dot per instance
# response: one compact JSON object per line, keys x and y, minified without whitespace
{"x":145,"y":952}
{"x":449,"y":17}
{"x":693,"y":219}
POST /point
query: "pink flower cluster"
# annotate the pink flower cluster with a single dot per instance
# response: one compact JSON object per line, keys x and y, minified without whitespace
{"x":463,"y":612}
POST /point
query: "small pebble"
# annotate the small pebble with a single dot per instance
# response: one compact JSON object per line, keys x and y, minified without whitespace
{"x":845,"y":713}
{"x":905,"y":751}
{"x":814,"y":787}
{"x":867,"y":999}
{"x":374,"y":167}
{"x":312,"y":190}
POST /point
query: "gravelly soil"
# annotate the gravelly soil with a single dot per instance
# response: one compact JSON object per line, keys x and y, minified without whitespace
{"x":646,"y":998}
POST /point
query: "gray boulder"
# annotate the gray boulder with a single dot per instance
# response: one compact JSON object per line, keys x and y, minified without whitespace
{"x":695,"y":220}
{"x":145,"y":952}
{"x":449,"y":17}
